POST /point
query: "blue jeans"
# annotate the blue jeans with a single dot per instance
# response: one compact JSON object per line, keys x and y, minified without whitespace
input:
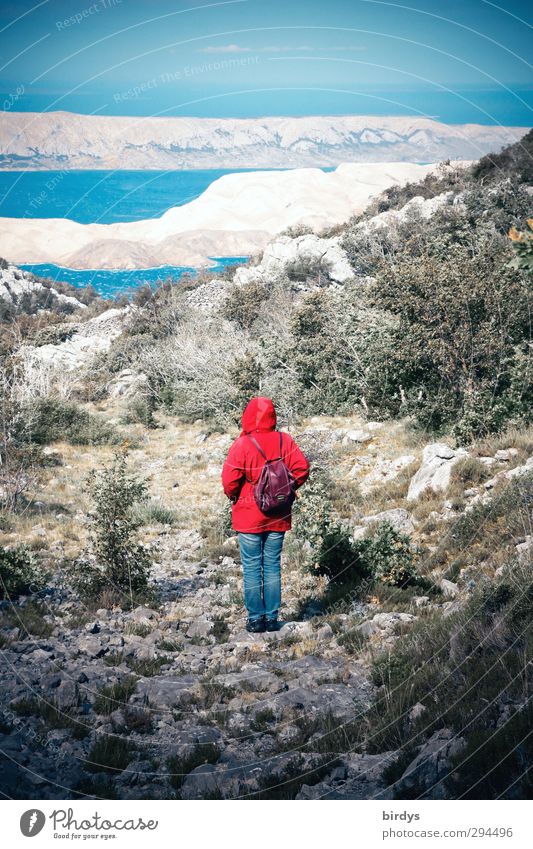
{"x":261,"y":567}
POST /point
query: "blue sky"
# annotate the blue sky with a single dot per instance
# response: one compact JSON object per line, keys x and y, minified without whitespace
{"x":456,"y":61}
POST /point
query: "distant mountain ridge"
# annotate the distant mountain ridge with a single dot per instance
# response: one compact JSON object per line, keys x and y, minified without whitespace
{"x":64,"y":140}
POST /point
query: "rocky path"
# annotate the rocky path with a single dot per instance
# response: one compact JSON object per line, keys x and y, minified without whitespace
{"x":177,"y":700}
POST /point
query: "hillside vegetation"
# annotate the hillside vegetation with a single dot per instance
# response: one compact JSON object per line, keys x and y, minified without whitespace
{"x":404,"y":667}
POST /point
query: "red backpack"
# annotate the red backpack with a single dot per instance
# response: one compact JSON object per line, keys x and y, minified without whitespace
{"x":275,"y":490}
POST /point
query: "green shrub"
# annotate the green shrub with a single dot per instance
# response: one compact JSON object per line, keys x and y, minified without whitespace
{"x":52,"y":419}
{"x":388,"y":555}
{"x":115,"y":696}
{"x":454,"y":356}
{"x":512,"y":161}
{"x":243,"y":303}
{"x":141,"y":411}
{"x":246,"y":375}
{"x":312,"y":520}
{"x":323,"y":546}
{"x":340,"y":558}
{"x":122,"y":562}
{"x":317,"y":353}
{"x":109,"y":754}
{"x":18,"y":573}
{"x":523,"y":246}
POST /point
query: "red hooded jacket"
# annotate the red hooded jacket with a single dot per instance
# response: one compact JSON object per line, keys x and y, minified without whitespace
{"x":244,"y":463}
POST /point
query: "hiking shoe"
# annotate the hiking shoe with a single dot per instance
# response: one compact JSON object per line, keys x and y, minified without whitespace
{"x":255,"y":626}
{"x":271,"y":625}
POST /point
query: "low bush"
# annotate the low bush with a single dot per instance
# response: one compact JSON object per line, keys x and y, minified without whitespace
{"x":121,"y":562}
{"x":52,"y":419}
{"x":141,"y":411}
{"x":109,"y":754}
{"x":243,"y":303}
{"x":19,"y":574}
{"x":339,"y":558}
{"x":115,"y":696}
{"x":389,"y":556}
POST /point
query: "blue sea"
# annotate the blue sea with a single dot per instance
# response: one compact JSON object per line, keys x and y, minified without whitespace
{"x":111,"y":283}
{"x":100,"y":197}
{"x":105,"y":197}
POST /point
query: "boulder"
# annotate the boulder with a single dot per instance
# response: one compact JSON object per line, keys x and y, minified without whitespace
{"x":448,"y":588}
{"x":144,"y":615}
{"x":66,"y":695}
{"x":382,"y":471}
{"x":324,"y":633}
{"x":201,"y":627}
{"x":168,"y":692}
{"x":16,"y":285}
{"x":127,"y":384}
{"x":292,"y":629}
{"x":384,"y":624}
{"x":505,"y":454}
{"x":399,"y":518}
{"x":357,"y":777}
{"x":303,"y":252}
{"x":338,"y":700}
{"x":433,"y":762}
{"x":93,"y":646}
{"x":435,"y":471}
{"x":358,"y":436}
{"x":525,"y":469}
{"x":524,"y":550}
{"x":417,"y":711}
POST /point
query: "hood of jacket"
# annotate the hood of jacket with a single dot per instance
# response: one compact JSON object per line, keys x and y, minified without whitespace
{"x":260,"y":414}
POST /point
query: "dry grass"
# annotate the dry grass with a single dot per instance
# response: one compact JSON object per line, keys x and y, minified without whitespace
{"x":427,"y":502}
{"x":522,"y":440}
{"x":169,"y":457}
{"x":183,"y":477}
{"x":388,"y":495}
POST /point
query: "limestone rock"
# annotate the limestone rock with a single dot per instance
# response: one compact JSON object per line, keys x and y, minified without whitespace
{"x":309,"y":251}
{"x":399,"y":518}
{"x":448,"y":588}
{"x":432,"y":763}
{"x":435,"y":471}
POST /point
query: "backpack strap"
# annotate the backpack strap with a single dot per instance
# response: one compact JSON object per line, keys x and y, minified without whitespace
{"x":255,"y":442}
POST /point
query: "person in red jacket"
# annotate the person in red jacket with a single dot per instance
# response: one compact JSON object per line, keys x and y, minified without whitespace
{"x":260,"y":536}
